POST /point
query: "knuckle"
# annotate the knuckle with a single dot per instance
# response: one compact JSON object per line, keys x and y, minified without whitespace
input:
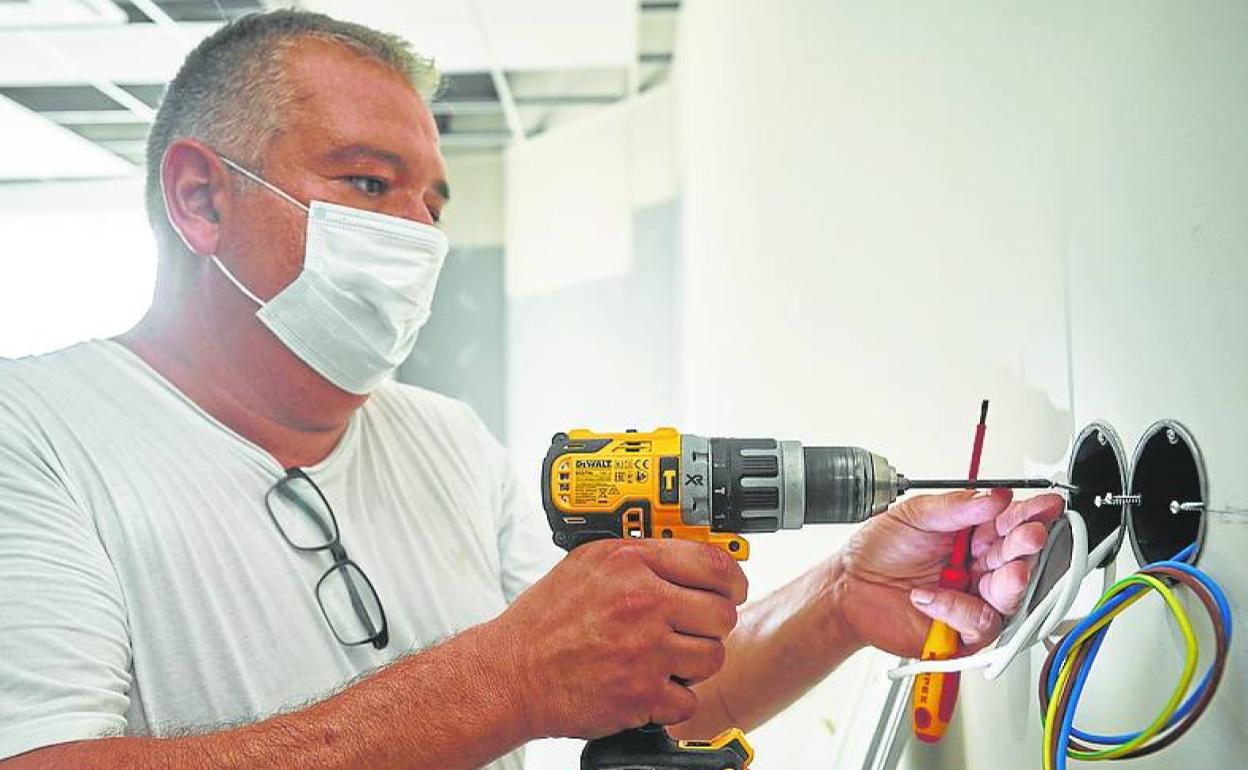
{"x":638,"y":599}
{"x":722,"y":567}
{"x":1033,"y":536}
{"x":620,"y":554}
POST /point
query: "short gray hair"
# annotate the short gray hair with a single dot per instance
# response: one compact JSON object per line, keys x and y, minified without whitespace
{"x":231,"y":91}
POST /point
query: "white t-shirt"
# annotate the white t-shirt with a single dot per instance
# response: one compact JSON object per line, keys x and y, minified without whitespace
{"x":144,"y":589}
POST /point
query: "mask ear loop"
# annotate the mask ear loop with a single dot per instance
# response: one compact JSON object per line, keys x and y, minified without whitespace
{"x":1050,"y":612}
{"x":272,"y":188}
{"x":260,"y":181}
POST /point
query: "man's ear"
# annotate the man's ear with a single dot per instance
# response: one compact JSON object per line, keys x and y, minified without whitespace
{"x":195,"y":183}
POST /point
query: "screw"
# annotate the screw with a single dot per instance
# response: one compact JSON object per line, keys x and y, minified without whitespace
{"x":1109,"y":498}
{"x":1177,"y":507}
{"x":1171,"y":436}
{"x":1101,"y":438}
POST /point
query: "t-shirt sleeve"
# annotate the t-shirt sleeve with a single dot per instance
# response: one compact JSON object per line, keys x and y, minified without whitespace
{"x":64,"y":641}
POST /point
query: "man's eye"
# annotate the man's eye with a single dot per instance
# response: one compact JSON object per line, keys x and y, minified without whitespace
{"x":369,"y":185}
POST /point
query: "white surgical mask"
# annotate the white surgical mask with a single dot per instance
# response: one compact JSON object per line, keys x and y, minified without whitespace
{"x":353,"y":313}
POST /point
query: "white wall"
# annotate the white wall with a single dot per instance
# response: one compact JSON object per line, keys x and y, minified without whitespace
{"x":889,"y":208}
{"x":77,"y":261}
{"x":590,"y":328}
{"x":475,"y":214}
{"x":592,"y":300}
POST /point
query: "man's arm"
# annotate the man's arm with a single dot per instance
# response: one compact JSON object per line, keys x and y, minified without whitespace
{"x":454,"y":706}
{"x":596,"y":646}
{"x":879,"y":590}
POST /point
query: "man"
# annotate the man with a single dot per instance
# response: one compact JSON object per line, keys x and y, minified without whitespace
{"x":229,"y":540}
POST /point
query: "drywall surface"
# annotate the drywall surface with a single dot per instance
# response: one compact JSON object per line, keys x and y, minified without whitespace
{"x":593,"y":290}
{"x":892,"y":210}
{"x":461,"y":350}
{"x":592,"y":336}
{"x":77,"y":261}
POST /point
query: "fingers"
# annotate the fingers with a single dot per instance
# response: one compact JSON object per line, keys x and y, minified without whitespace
{"x":696,"y":565}
{"x":954,"y":511}
{"x":973,"y":618}
{"x":1024,"y":540}
{"x":1044,"y":508}
{"x":702,"y":613}
{"x":676,"y":704}
{"x":1004,"y":588}
{"x":693,"y":659}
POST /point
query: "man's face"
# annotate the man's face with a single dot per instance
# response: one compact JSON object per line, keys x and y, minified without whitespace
{"x":355,"y":133}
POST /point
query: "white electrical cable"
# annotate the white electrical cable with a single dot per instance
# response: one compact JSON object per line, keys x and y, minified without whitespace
{"x":1039,"y":622}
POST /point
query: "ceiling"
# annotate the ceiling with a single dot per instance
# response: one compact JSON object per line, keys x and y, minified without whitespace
{"x":80,"y":79}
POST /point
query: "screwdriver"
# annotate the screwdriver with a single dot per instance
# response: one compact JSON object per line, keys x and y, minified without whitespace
{"x":935,"y":694}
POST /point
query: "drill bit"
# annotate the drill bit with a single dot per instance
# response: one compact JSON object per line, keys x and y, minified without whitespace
{"x":904,"y":484}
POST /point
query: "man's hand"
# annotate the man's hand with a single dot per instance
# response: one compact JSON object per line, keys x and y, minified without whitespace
{"x":887,"y":584}
{"x":600,"y":642}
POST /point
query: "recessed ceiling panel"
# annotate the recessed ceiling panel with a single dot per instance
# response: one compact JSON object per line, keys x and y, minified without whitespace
{"x":35,"y":148}
{"x":527,"y":34}
{"x":32,"y":13}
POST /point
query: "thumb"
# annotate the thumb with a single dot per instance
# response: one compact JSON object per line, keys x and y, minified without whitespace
{"x":973,"y":618}
{"x":954,"y":511}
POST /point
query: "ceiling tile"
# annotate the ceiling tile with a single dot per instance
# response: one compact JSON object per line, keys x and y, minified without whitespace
{"x":35,"y":148}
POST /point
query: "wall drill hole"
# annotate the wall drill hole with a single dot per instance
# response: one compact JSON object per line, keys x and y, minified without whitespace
{"x":1167,"y":468}
{"x":1098,"y":467}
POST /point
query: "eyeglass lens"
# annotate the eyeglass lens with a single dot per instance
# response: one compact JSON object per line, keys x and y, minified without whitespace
{"x":302,"y":514}
{"x":350,"y":604}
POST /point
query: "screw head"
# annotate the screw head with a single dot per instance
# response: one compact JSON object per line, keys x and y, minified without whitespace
{"x":1171,"y":436}
{"x":1101,"y":438}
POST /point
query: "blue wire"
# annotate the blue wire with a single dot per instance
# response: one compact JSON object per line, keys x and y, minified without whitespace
{"x":1063,"y":649}
{"x":1068,"y":718}
{"x":1098,"y":638}
{"x":1224,"y":610}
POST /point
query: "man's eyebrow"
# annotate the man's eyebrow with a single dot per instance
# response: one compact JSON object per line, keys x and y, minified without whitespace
{"x":357,"y":151}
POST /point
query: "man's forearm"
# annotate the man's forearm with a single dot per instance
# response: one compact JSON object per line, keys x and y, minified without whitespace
{"x":782,"y":646}
{"x":453,"y":707}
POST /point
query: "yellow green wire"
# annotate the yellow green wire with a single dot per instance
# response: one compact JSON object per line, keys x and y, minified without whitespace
{"x":1052,"y":723}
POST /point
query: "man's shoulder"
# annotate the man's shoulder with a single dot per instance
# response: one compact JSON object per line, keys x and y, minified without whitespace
{"x":51,"y":378}
{"x":427,"y":404}
{"x":435,"y":414}
{"x":435,"y":425}
{"x":70,"y":360}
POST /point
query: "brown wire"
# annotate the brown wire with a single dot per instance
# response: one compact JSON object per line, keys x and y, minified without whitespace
{"x":1171,"y":576}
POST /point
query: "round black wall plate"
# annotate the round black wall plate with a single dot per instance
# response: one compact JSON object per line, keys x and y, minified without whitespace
{"x":1167,"y":471}
{"x":1098,"y":467}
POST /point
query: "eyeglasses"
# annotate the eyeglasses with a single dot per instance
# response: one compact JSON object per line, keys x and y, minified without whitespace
{"x":1060,"y":570}
{"x":347,"y":598}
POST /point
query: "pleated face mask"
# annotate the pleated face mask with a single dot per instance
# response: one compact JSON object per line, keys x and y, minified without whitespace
{"x":356,"y":308}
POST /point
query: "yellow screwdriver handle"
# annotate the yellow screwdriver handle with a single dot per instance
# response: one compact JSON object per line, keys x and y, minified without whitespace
{"x":935,"y":693}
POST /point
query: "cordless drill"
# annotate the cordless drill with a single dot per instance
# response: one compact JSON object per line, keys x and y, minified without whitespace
{"x":711,"y":490}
